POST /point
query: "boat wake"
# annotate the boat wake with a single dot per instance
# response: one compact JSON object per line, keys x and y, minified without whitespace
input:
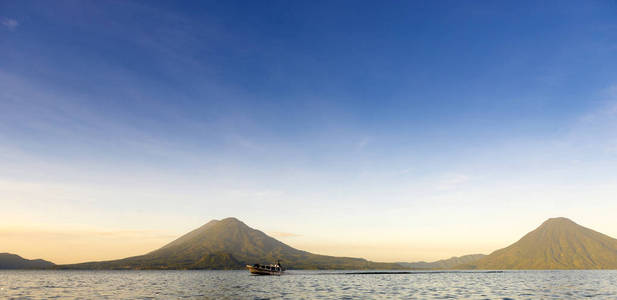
{"x":300,"y":272}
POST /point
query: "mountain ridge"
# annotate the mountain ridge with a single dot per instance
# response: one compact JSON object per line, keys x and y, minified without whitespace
{"x":14,"y":261}
{"x":230,"y":244}
{"x":442,"y":264}
{"x":558,"y":243}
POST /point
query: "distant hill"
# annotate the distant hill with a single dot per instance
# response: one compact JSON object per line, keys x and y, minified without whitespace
{"x":443,"y":264}
{"x":558,"y":243}
{"x":14,"y":261}
{"x":230,"y":244}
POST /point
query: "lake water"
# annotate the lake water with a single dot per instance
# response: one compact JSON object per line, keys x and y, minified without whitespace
{"x":307,"y":284}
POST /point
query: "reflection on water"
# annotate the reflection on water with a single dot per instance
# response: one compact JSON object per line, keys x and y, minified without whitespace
{"x":307,"y":284}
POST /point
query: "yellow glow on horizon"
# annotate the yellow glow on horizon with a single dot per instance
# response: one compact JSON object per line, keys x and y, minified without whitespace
{"x":65,"y":246}
{"x":75,"y":246}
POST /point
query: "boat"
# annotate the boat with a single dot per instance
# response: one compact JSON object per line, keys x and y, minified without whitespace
{"x":272,"y":269}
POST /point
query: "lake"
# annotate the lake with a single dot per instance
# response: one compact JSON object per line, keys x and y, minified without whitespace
{"x":307,"y":284}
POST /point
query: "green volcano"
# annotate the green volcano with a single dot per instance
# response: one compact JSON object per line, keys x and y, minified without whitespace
{"x":558,"y":243}
{"x":230,"y":244}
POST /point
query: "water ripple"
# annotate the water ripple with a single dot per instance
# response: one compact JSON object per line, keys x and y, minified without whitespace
{"x":308,"y":285}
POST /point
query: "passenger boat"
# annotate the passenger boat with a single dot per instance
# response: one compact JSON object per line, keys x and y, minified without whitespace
{"x":273,"y":269}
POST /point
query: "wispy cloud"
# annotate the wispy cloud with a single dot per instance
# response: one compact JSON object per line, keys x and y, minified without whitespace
{"x":363,"y":142}
{"x":81,"y":234}
{"x":451,"y":181}
{"x":404,"y":171}
{"x":279,"y":234}
{"x":612,"y":95}
{"x":244,"y":142}
{"x":604,"y":115}
{"x":85,"y":244}
{"x":9,"y":23}
{"x":255,"y":194}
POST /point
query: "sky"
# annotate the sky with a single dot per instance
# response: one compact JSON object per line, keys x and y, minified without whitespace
{"x":393,"y":131}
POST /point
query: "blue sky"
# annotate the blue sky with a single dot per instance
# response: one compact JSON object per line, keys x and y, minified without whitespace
{"x":441,"y":127}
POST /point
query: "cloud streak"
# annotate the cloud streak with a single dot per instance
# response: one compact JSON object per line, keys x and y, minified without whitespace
{"x":452,"y":181}
{"x":9,"y":23}
{"x":280,"y":234}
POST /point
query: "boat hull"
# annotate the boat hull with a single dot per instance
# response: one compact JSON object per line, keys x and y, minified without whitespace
{"x":261,"y":271}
